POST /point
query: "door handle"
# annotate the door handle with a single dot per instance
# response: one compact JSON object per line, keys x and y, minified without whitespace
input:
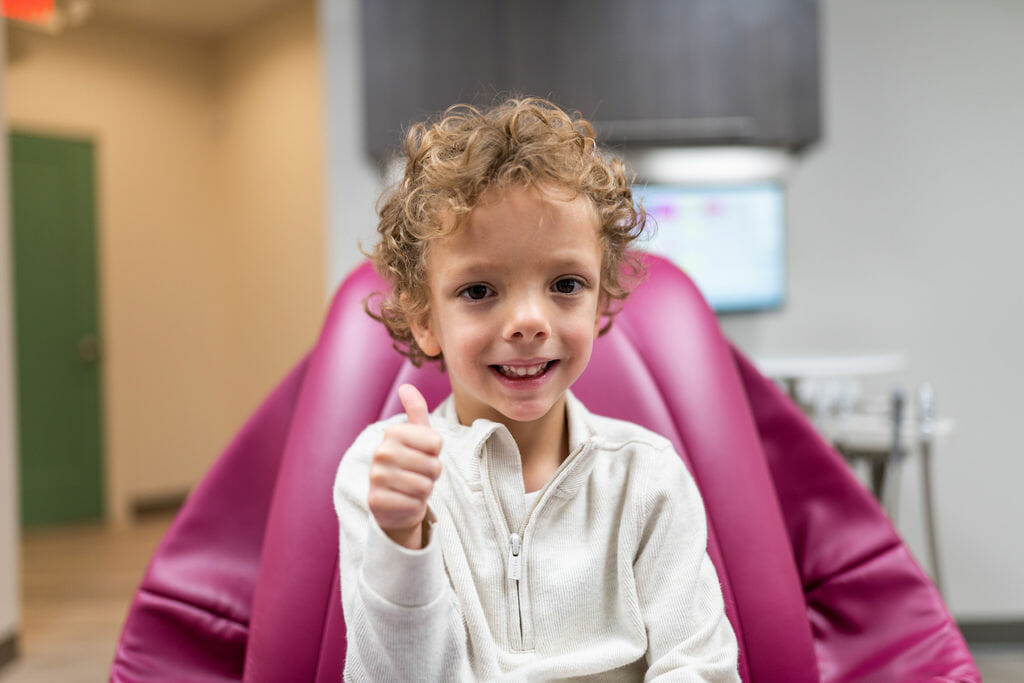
{"x":89,"y":349}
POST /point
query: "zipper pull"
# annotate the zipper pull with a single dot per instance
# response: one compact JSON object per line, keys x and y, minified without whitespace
{"x":514,"y":564}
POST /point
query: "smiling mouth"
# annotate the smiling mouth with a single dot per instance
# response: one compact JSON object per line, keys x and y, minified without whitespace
{"x":523,"y":371}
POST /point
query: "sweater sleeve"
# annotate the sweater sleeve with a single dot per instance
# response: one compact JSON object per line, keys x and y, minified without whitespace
{"x":401,"y":616}
{"x":689,"y":636}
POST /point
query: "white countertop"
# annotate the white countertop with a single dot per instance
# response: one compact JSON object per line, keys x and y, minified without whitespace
{"x":831,"y":365}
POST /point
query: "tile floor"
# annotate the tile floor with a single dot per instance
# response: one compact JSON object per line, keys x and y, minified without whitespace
{"x":77,"y":583}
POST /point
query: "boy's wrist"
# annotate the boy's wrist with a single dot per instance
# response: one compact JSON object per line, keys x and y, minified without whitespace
{"x":413,"y":538}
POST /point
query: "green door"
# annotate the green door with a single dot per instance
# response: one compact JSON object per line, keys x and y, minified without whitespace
{"x":57,"y":329}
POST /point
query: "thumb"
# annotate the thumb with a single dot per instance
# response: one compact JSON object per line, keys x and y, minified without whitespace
{"x":414,"y":403}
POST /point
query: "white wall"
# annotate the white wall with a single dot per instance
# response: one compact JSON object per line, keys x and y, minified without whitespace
{"x":352,"y":179}
{"x":906,"y":232}
{"x":10,"y":609}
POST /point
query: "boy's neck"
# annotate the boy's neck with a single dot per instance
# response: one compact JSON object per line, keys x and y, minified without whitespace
{"x":543,"y":445}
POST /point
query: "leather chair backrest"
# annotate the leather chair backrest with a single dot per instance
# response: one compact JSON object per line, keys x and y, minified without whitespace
{"x":815,"y":579}
{"x":663,"y":365}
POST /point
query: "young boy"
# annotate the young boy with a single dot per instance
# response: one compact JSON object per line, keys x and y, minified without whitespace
{"x":511,"y":534}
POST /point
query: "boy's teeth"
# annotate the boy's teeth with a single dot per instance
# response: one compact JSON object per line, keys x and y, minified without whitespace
{"x":522,"y":371}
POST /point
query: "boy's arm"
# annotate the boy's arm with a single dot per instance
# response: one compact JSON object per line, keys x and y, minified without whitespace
{"x":689,"y":636}
{"x":400,"y":613}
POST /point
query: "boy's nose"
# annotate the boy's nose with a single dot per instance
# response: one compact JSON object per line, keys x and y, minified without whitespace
{"x":527,"y":320}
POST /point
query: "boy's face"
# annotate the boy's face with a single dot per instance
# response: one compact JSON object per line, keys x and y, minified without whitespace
{"x":514,"y":303}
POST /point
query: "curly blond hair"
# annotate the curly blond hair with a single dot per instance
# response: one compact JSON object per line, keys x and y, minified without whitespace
{"x":451,"y":162}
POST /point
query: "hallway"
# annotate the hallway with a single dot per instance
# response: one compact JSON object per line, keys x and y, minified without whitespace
{"x":77,"y":583}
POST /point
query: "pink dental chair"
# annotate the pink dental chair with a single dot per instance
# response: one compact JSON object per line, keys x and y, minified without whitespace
{"x":817,"y":584}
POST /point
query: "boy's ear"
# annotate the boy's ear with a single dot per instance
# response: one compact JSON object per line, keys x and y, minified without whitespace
{"x":425,"y":338}
{"x":422,"y":332}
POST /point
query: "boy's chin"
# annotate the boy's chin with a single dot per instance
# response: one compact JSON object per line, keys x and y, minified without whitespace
{"x":531,"y":411}
{"x":504,"y":408}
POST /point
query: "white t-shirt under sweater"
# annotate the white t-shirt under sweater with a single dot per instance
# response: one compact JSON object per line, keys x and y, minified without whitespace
{"x":605,"y":576}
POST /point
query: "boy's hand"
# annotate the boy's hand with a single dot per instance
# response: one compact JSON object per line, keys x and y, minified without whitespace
{"x":404,"y":469}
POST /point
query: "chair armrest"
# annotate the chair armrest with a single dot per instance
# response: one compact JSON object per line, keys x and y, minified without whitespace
{"x":874,"y":613}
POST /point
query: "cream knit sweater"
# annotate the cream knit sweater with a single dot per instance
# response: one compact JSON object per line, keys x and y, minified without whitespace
{"x":605,"y":577}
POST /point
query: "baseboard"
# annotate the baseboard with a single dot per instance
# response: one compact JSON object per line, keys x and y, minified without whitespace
{"x":992,"y":632}
{"x":8,"y":649}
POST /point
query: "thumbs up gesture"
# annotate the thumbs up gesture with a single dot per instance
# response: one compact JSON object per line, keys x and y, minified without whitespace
{"x":403,"y":471}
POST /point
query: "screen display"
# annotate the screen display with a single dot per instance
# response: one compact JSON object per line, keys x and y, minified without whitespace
{"x":729,"y":239}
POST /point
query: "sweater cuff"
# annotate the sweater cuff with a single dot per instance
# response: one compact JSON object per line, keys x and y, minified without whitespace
{"x":409,"y":578}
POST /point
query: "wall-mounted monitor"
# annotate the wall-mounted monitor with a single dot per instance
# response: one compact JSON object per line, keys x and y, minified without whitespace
{"x":730,"y":239}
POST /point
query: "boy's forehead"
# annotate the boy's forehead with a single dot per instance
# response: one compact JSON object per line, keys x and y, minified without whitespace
{"x":518,"y":227}
{"x":484,"y":254}
{"x":521,"y":213}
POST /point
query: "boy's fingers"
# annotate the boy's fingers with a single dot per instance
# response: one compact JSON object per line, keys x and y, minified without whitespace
{"x":416,"y":459}
{"x":418,"y":437}
{"x":411,"y":484}
{"x":414,"y":403}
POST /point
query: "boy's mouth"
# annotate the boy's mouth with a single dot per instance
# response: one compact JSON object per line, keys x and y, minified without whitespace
{"x":523,"y":371}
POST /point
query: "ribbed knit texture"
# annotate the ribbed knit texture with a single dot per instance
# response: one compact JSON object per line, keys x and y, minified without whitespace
{"x":615,"y":581}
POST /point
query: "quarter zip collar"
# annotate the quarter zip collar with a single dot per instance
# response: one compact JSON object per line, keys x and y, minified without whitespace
{"x":487,"y":456}
{"x":485,"y":451}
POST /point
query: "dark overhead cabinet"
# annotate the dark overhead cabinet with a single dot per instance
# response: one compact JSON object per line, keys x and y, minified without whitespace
{"x":645,"y":72}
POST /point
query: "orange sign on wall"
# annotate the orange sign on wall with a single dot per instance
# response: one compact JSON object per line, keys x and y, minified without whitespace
{"x":28,"y":10}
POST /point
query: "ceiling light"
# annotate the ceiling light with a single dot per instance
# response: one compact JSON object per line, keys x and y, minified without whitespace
{"x":710,"y":165}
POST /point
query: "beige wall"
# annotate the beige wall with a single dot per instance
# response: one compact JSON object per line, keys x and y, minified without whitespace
{"x":210,"y":271}
{"x":272,"y":155}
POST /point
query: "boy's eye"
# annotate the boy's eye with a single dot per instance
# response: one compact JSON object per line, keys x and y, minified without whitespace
{"x":475,"y":292}
{"x":568,"y":285}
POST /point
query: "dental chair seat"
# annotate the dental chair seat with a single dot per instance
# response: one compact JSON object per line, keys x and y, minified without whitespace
{"x":817,"y":584}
